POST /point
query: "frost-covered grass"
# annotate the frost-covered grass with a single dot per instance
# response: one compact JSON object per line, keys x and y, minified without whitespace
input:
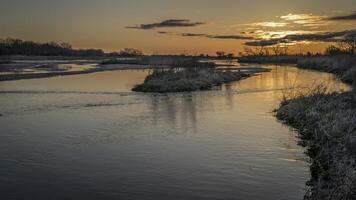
{"x":343,"y":65}
{"x":186,"y":79}
{"x":326,"y":123}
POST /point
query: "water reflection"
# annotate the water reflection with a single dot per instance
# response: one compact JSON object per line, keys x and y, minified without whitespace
{"x":176,"y":110}
{"x":90,"y":137}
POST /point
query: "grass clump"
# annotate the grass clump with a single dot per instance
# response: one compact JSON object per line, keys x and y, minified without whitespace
{"x":326,"y":123}
{"x":186,"y":79}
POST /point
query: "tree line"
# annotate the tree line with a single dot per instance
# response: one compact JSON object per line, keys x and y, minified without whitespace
{"x":343,"y":46}
{"x":21,"y":47}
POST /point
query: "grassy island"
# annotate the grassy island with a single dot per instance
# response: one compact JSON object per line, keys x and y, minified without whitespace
{"x":187,"y":79}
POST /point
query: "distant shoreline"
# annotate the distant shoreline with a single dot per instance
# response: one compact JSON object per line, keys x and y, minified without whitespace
{"x":99,"y":68}
{"x":12,"y":67}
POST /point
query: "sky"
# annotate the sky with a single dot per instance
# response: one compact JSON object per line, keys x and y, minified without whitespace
{"x":184,"y":26}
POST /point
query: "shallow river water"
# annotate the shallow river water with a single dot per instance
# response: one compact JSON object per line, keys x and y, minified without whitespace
{"x":89,"y":137}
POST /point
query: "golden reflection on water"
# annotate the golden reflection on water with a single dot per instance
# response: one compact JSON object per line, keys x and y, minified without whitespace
{"x":225,"y":142}
{"x":110,"y":81}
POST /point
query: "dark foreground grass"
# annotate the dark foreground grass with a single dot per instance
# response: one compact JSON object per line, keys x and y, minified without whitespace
{"x":326,"y":123}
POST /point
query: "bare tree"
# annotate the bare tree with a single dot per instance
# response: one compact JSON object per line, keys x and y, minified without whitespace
{"x":248,"y":51}
{"x":349,"y":44}
{"x":285,"y":49}
{"x":131,"y":52}
{"x":220,"y":54}
{"x":277,"y":50}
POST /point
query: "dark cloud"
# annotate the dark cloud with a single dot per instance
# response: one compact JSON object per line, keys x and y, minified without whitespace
{"x":264,"y":42}
{"x":193,"y":35}
{"x":231,"y":37}
{"x":322,"y":37}
{"x":344,"y":17}
{"x":226,"y":37}
{"x":170,"y":23}
{"x":165,"y":32}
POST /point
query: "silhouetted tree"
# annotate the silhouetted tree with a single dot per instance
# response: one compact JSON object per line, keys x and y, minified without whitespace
{"x":277,"y":50}
{"x":230,"y":55}
{"x":348,"y":44}
{"x":220,"y":54}
{"x":19,"y":47}
{"x":344,"y":46}
{"x":130,"y":52}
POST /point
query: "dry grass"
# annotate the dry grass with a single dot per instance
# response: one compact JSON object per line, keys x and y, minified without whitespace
{"x":269,"y":59}
{"x":344,"y":65}
{"x":326,"y":123}
{"x":185,"y":79}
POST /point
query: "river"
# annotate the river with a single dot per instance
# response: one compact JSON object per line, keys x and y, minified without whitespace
{"x":89,"y":137}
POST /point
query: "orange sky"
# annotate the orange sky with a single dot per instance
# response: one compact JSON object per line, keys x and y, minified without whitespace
{"x":103,"y":24}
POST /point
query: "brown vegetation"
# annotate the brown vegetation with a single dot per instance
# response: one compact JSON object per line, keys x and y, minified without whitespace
{"x":186,"y":79}
{"x":326,"y":123}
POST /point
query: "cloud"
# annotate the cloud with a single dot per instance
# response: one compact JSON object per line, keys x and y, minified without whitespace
{"x":308,"y":20}
{"x":166,"y":33}
{"x":295,"y":38}
{"x":193,"y":34}
{"x":324,"y":37}
{"x":290,"y":21}
{"x":270,"y":42}
{"x":170,"y":23}
{"x":226,"y":37}
{"x":269,"y":24}
{"x":231,"y":37}
{"x":344,"y":17}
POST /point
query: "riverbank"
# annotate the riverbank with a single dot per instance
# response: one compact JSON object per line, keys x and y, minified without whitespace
{"x":341,"y":65}
{"x":326,"y":123}
{"x":269,"y":59}
{"x":344,"y":66}
{"x":29,"y":67}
